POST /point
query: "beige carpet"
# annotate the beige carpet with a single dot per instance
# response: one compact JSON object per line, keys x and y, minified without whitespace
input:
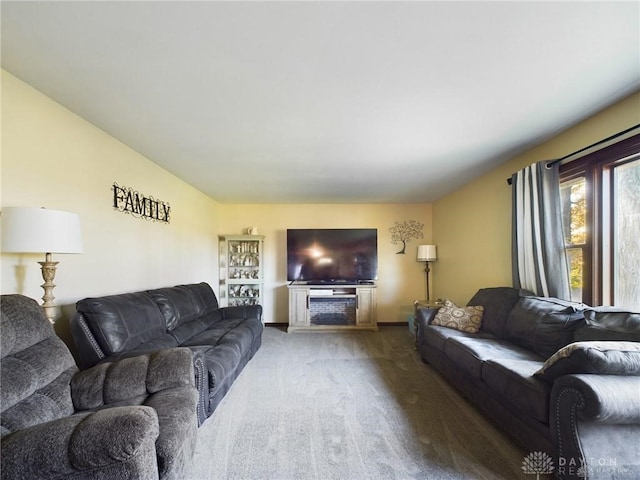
{"x":357,"y":405}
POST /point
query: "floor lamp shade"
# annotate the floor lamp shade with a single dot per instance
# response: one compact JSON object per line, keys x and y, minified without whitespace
{"x":427,"y":253}
{"x":40,"y":230}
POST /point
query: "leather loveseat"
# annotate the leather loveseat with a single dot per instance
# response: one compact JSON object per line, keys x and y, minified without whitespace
{"x":560,"y":377}
{"x":223,"y":339}
{"x":130,"y":419}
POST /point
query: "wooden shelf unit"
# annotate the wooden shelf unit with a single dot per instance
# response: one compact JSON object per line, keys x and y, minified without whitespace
{"x":332,"y":307}
{"x":241,"y":270}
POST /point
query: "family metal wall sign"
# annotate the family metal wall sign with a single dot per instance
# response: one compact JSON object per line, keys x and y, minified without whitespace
{"x":130,"y":201}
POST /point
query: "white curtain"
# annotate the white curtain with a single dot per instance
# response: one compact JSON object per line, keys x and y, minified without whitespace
{"x":539,"y":260}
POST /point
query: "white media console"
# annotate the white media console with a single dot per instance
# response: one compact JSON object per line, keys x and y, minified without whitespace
{"x":332,"y":307}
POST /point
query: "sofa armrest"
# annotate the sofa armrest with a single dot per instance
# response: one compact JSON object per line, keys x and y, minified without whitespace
{"x":600,"y":398}
{"x":425,"y":315}
{"x":596,"y":417}
{"x":132,"y":378}
{"x":176,"y":444}
{"x":88,"y":352}
{"x":201,"y":374}
{"x":111,"y":443}
{"x":202,"y":381}
{"x":247,"y":311}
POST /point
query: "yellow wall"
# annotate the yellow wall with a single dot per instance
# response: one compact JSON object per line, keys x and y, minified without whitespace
{"x":55,"y":159}
{"x":401,"y":277}
{"x":472,"y":226}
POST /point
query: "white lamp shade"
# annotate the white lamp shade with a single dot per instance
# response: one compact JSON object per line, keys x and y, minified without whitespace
{"x":40,"y":230}
{"x":427,"y":253}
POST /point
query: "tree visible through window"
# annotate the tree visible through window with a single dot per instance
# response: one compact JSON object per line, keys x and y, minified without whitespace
{"x":601,"y":218}
{"x":626,"y":261}
{"x":574,"y":207}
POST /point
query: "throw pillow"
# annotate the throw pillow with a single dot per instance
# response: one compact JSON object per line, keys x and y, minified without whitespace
{"x":606,"y":358}
{"x":465,"y":319}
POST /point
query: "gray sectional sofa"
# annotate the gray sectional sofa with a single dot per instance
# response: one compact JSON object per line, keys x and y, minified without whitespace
{"x":130,"y":419}
{"x":561,"y":378}
{"x":222,"y":339}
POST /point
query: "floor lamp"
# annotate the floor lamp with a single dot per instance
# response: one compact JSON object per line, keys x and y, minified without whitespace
{"x":40,"y":230}
{"x":426,"y":254}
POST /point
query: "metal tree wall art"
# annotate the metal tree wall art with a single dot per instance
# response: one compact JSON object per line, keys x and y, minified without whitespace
{"x":404,"y":232}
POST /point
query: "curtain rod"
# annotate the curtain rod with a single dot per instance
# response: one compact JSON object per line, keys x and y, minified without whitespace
{"x":599,"y":142}
{"x":608,"y":139}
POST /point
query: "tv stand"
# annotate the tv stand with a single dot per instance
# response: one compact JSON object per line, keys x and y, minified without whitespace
{"x":332,"y":306}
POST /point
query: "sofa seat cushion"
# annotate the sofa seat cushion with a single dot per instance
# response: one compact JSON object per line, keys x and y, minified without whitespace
{"x":186,"y":331}
{"x":468,"y":353}
{"x":225,"y":344}
{"x":513,"y":381}
{"x":435,"y":336}
{"x":225,"y":331}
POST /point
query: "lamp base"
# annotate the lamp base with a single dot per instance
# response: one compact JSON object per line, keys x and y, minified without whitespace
{"x":426,"y":274}
{"x":48,"y":274}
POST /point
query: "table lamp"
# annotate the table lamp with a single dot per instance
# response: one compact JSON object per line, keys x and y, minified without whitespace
{"x":40,"y":230}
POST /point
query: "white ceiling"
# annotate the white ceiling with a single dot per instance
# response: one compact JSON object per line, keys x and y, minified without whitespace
{"x":323,"y":102}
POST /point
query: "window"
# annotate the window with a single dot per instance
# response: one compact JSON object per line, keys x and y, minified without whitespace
{"x":573,"y":194}
{"x":601,"y":217}
{"x":626,"y":233}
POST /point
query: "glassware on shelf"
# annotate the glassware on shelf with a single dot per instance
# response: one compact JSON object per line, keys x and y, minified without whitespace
{"x":241,"y":269}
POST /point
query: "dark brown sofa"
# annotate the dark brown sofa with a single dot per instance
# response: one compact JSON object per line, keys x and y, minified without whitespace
{"x":582,"y":411}
{"x":222,"y":339}
{"x":135,"y":418}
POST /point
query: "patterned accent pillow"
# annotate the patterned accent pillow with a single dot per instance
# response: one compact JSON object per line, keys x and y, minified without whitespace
{"x":606,"y":358}
{"x":465,"y":319}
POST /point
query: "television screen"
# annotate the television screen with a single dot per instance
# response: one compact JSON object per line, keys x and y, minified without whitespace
{"x":332,"y":255}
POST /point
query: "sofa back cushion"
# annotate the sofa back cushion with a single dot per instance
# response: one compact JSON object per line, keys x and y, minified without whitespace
{"x":609,"y":324}
{"x":543,"y":325}
{"x":497,"y":303}
{"x":120,"y":323}
{"x":204,"y":295}
{"x":187,"y":309}
{"x":36,"y":367}
{"x":177,"y":305}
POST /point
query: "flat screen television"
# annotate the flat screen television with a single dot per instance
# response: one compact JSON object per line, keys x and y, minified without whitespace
{"x":332,"y":255}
